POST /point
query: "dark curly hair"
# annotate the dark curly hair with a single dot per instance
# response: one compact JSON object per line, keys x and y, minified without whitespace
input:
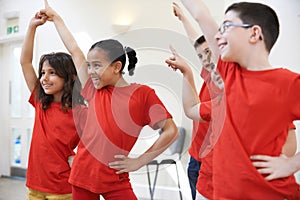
{"x":65,"y":68}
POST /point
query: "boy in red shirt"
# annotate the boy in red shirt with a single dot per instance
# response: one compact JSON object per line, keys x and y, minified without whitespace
{"x":245,"y":39}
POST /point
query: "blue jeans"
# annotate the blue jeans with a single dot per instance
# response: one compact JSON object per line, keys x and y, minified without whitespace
{"x":193,"y":171}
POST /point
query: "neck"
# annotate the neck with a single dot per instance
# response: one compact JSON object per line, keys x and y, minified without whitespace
{"x":121,"y":82}
{"x":256,"y":61}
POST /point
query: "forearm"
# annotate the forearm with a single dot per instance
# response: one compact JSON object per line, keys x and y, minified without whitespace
{"x":73,"y":48}
{"x":208,"y":25}
{"x":166,"y":138}
{"x":65,"y":35}
{"x":27,"y":49}
{"x":26,"y":58}
{"x":190,"y":98}
{"x":190,"y":30}
{"x":294,"y":162}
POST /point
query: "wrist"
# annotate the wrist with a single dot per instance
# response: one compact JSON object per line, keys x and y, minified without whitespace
{"x":294,"y":163}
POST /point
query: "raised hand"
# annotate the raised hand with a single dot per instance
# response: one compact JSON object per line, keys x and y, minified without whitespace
{"x":38,"y":19}
{"x":176,"y":62}
{"x":48,"y":11}
{"x":177,"y":11}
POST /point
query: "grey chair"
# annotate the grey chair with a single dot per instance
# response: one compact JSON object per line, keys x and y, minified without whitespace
{"x":175,"y":148}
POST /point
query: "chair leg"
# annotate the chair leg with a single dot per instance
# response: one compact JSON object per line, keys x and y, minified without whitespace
{"x":178,"y":183}
{"x":149,"y":183}
{"x":152,"y":188}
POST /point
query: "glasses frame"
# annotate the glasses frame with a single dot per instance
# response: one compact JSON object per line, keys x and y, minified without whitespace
{"x":222,"y":29}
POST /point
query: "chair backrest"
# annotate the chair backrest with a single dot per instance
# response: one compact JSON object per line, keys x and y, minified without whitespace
{"x":177,"y":146}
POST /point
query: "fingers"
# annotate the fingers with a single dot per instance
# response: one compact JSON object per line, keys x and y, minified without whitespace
{"x":122,"y":157}
{"x":115,"y":165}
{"x":259,"y":164}
{"x":119,"y":165}
{"x":270,"y":177}
{"x":175,"y":7}
{"x":121,"y":171}
{"x":261,"y":157}
{"x":46,"y":3}
{"x":265,"y":171}
{"x":174,"y":52}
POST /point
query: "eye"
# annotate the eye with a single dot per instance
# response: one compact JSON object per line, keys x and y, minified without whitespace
{"x":97,"y":66}
{"x":52,"y":72}
{"x":42,"y":72}
{"x":200,"y":56}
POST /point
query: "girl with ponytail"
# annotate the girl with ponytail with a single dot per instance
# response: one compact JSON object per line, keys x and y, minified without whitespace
{"x":117,"y":112}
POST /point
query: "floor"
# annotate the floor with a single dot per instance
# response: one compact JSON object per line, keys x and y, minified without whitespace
{"x":12,"y":189}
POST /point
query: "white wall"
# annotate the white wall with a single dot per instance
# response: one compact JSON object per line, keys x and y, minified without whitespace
{"x":153,"y":28}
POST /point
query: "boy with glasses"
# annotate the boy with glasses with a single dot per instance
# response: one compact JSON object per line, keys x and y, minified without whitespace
{"x":261,"y":103}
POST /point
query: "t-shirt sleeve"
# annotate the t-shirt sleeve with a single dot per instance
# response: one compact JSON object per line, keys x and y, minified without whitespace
{"x":32,"y":98}
{"x":155,"y":110}
{"x":294,"y":98}
{"x":89,"y":90}
{"x":205,"y":110}
{"x":292,"y":126}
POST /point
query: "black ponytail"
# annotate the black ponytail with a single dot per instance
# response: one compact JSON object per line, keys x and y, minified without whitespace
{"x":116,"y":52}
{"x":132,"y":59}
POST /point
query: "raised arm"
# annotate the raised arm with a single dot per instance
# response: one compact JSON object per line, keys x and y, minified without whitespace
{"x":190,"y":99}
{"x":69,"y":42}
{"x":27,"y":51}
{"x":189,"y":29}
{"x":208,"y":25}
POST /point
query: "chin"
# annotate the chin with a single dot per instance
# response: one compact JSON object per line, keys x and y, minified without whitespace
{"x":226,"y":58}
{"x":99,"y":86}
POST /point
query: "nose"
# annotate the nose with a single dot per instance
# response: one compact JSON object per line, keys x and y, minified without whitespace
{"x":45,"y":77}
{"x":218,"y":35}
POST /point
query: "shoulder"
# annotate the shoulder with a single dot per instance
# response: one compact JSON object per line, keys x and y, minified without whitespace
{"x":140,"y":88}
{"x":286,"y":74}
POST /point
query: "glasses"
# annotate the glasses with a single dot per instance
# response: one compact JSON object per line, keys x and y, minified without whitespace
{"x":226,"y":25}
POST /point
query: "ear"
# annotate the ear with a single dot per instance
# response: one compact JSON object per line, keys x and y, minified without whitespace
{"x":117,"y":67}
{"x":256,"y":34}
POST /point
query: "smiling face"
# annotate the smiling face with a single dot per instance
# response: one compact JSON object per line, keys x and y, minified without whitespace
{"x":51,"y":82}
{"x":101,"y":70}
{"x":233,"y":42}
{"x":204,"y":54}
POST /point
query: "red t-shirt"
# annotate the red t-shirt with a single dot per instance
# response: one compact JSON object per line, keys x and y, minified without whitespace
{"x":115,"y":118}
{"x":53,"y":140}
{"x":260,"y":106}
{"x":200,"y":131}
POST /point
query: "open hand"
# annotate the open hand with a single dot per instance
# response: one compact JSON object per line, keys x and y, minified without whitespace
{"x":275,"y":167}
{"x":125,"y":164}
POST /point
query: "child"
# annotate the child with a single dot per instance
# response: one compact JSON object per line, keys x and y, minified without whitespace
{"x":55,"y":97}
{"x":117,"y":111}
{"x":199,"y":128}
{"x":204,"y":186}
{"x":245,"y":39}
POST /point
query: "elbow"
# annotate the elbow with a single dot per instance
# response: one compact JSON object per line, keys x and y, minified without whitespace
{"x":172,"y":131}
{"x":190,"y":113}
